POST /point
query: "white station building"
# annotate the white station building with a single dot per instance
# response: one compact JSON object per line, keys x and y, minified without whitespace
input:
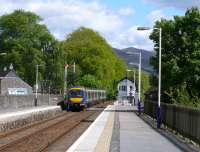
{"x":126,"y":89}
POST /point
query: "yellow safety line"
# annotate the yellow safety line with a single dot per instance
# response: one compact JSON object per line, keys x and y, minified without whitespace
{"x":104,"y":141}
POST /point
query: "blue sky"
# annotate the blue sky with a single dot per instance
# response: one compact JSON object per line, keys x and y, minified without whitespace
{"x":141,"y":9}
{"x":115,"y":20}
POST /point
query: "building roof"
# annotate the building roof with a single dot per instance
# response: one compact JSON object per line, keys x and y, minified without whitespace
{"x":13,"y":80}
{"x":9,"y":73}
{"x":125,"y":78}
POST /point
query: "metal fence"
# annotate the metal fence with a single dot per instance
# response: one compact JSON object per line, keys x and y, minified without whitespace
{"x":184,"y":120}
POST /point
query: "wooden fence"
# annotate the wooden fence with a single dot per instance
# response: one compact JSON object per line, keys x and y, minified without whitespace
{"x":184,"y":120}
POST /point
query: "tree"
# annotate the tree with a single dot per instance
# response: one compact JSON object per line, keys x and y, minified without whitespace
{"x":27,"y":43}
{"x":180,"y":56}
{"x":89,"y":81}
{"x":94,"y":57}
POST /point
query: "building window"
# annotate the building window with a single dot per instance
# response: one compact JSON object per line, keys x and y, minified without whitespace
{"x":123,"y":88}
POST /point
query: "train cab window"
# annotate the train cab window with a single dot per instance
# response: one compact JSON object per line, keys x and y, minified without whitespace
{"x":75,"y":93}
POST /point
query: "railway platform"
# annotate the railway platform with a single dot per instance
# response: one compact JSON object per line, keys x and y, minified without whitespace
{"x":14,"y":118}
{"x":119,"y":129}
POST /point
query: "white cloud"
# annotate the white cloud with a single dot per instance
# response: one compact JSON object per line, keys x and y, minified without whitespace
{"x":181,"y":4}
{"x":156,"y":15}
{"x":64,"y":16}
{"x":134,"y":38}
{"x":126,"y":11}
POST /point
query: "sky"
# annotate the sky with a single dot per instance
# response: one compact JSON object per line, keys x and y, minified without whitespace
{"x":115,"y":20}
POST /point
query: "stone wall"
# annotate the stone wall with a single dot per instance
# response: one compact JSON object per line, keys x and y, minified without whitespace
{"x":21,"y":101}
{"x":28,"y":118}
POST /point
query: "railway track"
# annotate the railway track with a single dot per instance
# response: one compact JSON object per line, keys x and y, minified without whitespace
{"x":63,"y":143}
{"x":37,"y":137}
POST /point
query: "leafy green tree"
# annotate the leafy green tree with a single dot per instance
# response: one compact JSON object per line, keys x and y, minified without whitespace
{"x":89,"y":81}
{"x":27,"y":43}
{"x":180,"y":56}
{"x":93,"y":56}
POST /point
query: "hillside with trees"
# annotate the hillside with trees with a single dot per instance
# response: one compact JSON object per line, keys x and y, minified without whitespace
{"x":145,"y":57}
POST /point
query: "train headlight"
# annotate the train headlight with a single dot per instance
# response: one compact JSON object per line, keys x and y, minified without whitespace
{"x":76,"y":100}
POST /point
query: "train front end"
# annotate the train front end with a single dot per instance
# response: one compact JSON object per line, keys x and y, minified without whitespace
{"x":76,"y":99}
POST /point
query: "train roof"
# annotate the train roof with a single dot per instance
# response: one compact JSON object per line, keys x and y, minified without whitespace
{"x":84,"y":88}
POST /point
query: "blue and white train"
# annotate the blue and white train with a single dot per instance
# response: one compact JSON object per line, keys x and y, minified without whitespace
{"x":79,"y":98}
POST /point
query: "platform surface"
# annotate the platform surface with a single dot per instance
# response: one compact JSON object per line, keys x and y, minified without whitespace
{"x":137,"y":136}
{"x":118,"y":128}
{"x":88,"y":141}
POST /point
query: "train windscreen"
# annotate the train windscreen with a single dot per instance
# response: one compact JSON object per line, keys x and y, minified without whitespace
{"x":75,"y":93}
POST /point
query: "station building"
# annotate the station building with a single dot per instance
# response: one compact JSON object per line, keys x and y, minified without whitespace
{"x":12,"y":84}
{"x":126,"y":89}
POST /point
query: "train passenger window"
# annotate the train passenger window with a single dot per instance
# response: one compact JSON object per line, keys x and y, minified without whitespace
{"x":89,"y":95}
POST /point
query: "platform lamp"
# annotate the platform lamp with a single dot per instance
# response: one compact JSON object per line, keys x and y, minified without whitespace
{"x":128,"y":70}
{"x":36,"y":86}
{"x":158,"y":114}
{"x":139,"y":67}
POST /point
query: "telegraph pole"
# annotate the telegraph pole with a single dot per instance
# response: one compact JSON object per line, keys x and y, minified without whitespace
{"x":65,"y":80}
{"x":74,"y":68}
{"x":36,"y":85}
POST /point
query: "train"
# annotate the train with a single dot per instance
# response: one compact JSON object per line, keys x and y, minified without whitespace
{"x":78,"y":98}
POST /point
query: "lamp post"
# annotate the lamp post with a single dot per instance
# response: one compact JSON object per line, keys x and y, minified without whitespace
{"x":159,"y":74}
{"x":74,"y":67}
{"x":128,"y":70}
{"x":133,"y":75}
{"x":36,"y":85}
{"x":139,"y":80}
{"x":138,"y":97}
{"x":49,"y":93}
{"x":65,"y":80}
{"x":74,"y":73}
{"x":66,"y":66}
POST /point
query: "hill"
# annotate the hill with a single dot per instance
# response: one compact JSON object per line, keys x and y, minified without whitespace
{"x":126,"y":55}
